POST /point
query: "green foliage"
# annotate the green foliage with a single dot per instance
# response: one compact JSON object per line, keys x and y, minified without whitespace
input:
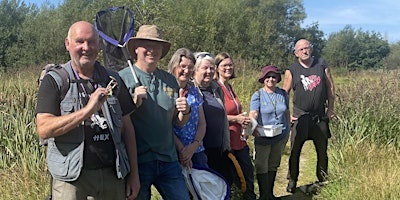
{"x":356,"y":49}
{"x":12,"y":14}
{"x":392,"y":61}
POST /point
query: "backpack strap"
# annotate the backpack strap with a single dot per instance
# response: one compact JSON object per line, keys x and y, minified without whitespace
{"x":59,"y":74}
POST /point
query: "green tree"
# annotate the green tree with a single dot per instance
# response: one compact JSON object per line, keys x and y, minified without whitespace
{"x":373,"y":50}
{"x":392,"y":61}
{"x":342,"y":49}
{"x":12,"y":14}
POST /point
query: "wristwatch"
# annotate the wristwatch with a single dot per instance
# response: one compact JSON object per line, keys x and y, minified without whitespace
{"x":200,"y":142}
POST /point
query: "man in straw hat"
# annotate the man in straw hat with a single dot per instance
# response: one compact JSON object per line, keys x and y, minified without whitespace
{"x":160,"y":104}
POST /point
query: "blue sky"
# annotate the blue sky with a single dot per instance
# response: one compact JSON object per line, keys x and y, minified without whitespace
{"x":380,"y":16}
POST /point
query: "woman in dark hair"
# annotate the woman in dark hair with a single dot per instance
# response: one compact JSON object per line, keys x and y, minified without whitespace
{"x":237,"y":122}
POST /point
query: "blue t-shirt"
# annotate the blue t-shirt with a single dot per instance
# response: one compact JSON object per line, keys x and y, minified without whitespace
{"x":187,"y":133}
{"x":271,"y":109}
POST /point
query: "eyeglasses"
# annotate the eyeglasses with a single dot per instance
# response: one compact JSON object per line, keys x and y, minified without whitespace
{"x":227,"y":65}
{"x":186,"y":67}
{"x":302,"y":49}
{"x":270,"y":76}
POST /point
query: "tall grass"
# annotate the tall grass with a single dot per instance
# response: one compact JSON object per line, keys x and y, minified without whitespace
{"x":365,"y":144}
{"x":22,"y":159}
{"x":364,"y":149}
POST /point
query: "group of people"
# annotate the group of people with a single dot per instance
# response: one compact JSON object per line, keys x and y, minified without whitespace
{"x":116,"y":142}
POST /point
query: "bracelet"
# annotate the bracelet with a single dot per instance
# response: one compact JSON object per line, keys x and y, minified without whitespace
{"x":200,"y":142}
{"x":190,"y":110}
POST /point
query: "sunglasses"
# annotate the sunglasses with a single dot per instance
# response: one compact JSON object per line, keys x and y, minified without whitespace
{"x":269,"y":76}
{"x":203,"y":55}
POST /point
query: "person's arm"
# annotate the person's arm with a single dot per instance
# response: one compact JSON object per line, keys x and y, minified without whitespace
{"x":49,"y":125}
{"x":287,"y":83}
{"x":201,"y":127}
{"x":129,"y":138}
{"x":240,"y":119}
{"x":188,"y":151}
{"x":331,"y":93}
{"x":254,"y":114}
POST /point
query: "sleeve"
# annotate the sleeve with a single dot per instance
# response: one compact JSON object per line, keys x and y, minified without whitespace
{"x":48,"y":99}
{"x":125,"y":100}
{"x":255,"y":101}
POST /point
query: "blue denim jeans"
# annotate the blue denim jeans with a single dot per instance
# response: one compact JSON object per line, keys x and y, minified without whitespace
{"x":167,"y":177}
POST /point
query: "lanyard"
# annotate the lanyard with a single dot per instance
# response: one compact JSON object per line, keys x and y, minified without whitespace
{"x":86,"y":95}
{"x":231,"y":94}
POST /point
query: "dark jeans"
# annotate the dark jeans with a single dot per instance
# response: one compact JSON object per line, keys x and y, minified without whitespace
{"x":167,"y":177}
{"x":307,"y":128}
{"x":244,"y":160}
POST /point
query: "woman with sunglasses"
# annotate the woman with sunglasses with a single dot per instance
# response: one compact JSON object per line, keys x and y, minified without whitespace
{"x":216,"y":140}
{"x":237,"y":122}
{"x":189,"y":137}
{"x":269,"y":106}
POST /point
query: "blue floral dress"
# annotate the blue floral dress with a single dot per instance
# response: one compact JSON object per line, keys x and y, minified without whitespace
{"x":187,"y":132}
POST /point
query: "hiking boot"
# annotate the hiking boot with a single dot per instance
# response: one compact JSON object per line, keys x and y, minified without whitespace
{"x":291,"y":187}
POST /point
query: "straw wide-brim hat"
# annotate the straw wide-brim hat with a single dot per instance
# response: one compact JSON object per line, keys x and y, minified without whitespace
{"x":267,"y":69}
{"x":148,"y":32}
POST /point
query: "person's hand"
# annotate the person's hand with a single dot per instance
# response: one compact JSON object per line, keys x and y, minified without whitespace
{"x":181,"y":104}
{"x":293,"y":119}
{"x":96,"y":100}
{"x":330,"y":114}
{"x":132,"y":187}
{"x":186,"y":153}
{"x":139,"y":94}
{"x":243,"y":120}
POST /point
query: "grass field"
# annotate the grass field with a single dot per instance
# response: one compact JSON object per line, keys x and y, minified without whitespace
{"x":364,"y":148}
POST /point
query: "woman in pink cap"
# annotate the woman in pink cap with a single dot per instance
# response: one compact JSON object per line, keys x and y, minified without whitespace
{"x":269,"y":106}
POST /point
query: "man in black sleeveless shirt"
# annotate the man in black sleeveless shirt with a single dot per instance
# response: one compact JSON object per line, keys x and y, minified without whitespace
{"x":313,"y":104}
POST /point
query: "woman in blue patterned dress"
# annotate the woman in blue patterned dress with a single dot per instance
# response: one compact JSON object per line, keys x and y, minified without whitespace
{"x":189,"y":138}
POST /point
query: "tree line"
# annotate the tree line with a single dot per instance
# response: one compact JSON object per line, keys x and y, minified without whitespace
{"x":261,"y":32}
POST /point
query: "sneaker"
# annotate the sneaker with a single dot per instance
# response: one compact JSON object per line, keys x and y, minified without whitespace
{"x":291,"y":187}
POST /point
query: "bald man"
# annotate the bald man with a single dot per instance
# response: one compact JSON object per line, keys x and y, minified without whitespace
{"x":313,"y":104}
{"x":91,"y":140}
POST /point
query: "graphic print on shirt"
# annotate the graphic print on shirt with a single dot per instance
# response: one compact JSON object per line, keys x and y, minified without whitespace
{"x":310,"y":82}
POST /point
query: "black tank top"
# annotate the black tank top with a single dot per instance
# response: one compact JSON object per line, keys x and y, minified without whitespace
{"x":309,"y":87}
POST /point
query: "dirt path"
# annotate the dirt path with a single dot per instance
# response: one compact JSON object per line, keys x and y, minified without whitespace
{"x":307,"y":173}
